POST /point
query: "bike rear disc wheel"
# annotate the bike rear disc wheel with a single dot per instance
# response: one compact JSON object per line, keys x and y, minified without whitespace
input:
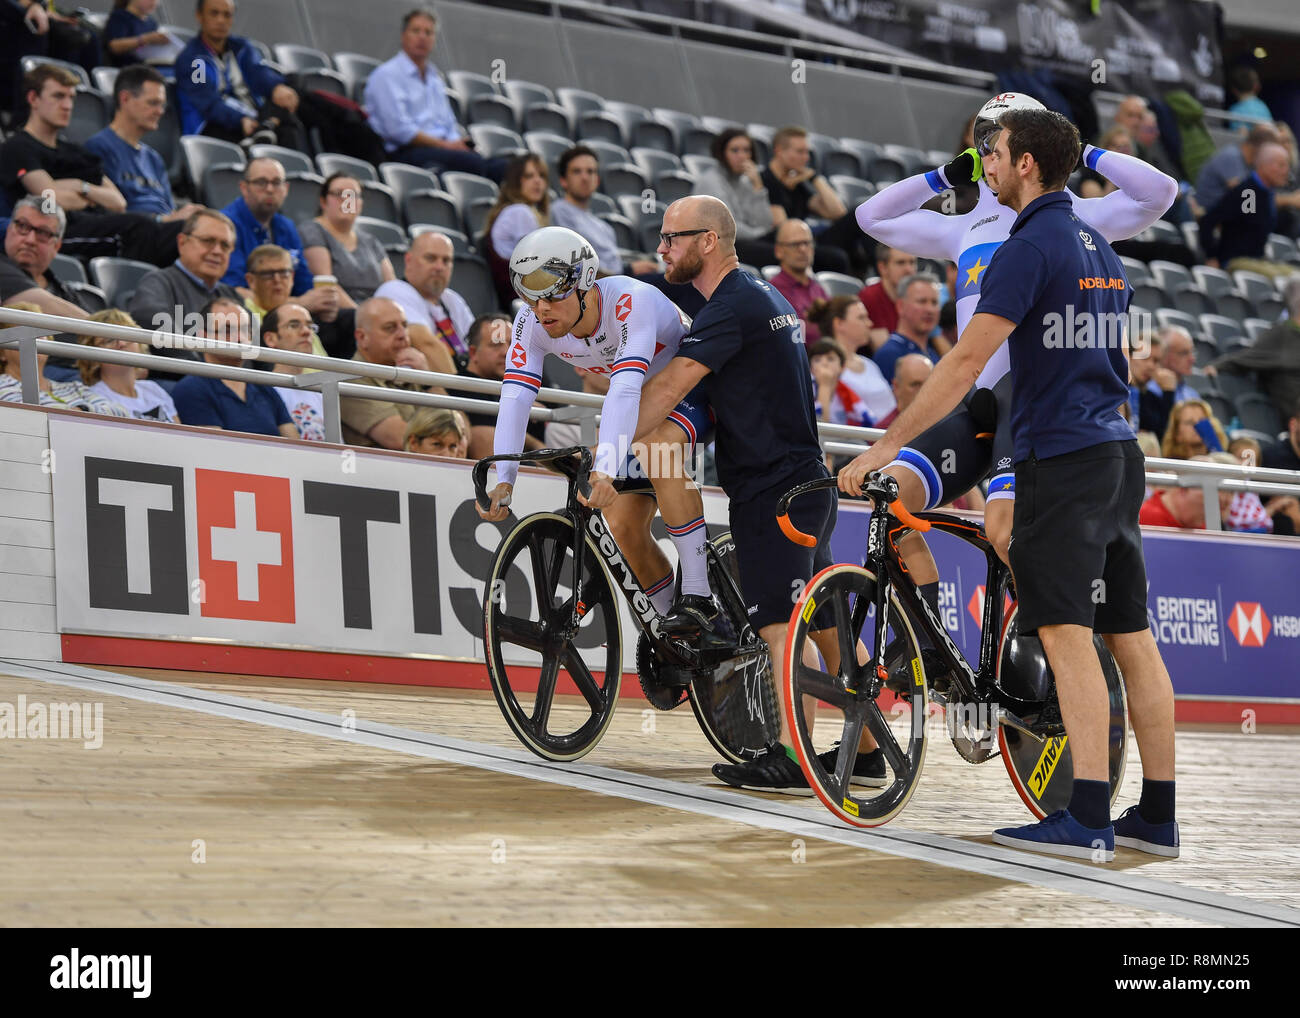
{"x":736,"y":706}
{"x":1042,"y":772}
{"x":844,"y":595}
{"x":534,"y":654}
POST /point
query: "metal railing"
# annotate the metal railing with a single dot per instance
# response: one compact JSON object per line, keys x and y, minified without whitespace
{"x":337,"y":379}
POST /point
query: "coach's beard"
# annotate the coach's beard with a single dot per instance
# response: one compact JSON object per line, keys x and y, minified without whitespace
{"x":685,"y":268}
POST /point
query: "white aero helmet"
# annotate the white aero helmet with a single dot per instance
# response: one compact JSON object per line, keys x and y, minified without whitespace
{"x":551,"y":263}
{"x":986,"y":120}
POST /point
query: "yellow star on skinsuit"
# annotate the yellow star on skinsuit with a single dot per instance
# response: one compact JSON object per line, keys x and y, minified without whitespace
{"x":973,"y":273}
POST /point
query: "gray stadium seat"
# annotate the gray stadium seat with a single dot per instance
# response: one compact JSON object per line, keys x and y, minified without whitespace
{"x":603,"y":205}
{"x":1221,"y":407}
{"x":1257,"y":412}
{"x":1170,"y":274}
{"x":491,"y":140}
{"x":1234,"y":305}
{"x":1256,"y":327}
{"x":1148,"y":296}
{"x":1215,"y":282}
{"x":67,"y":269}
{"x":653,"y":134}
{"x":469,"y":84}
{"x":913,"y":159}
{"x":323,"y":79}
{"x":405,"y":179}
{"x":549,"y":146}
{"x":1135,"y":270}
{"x":380,"y":202}
{"x":303,"y":200}
{"x":31,"y":62}
{"x":697,"y":141}
{"x":673,"y":184}
{"x":119,"y":277}
{"x":607,"y":152}
{"x":1281,"y":248}
{"x":622,"y":178}
{"x":330,"y":163}
{"x":886,"y":169}
{"x":103,"y":78}
{"x":1205,"y":353}
{"x":291,"y":159}
{"x":1271,"y":309}
{"x":624,"y":229}
{"x":652,"y":162}
{"x":1220,"y":329}
{"x":386,"y":233}
{"x":1190,"y":298}
{"x":472,"y":280}
{"x":597,"y":125}
{"x":548,"y":117}
{"x":697,"y":165}
{"x":1163,"y":232}
{"x":90,"y":297}
{"x":853,"y":190}
{"x":492,"y":109}
{"x":355,"y":68}
{"x":836,"y":162}
{"x":465,"y":187}
{"x":770,"y":271}
{"x":91,"y":113}
{"x":460,"y":242}
{"x":837,"y":284}
{"x":221,"y":184}
{"x":476,"y":213}
{"x":1234,"y":385}
{"x":293,"y":57}
{"x":1167,"y":317}
{"x":525,"y":93}
{"x":578,"y":101}
{"x":432,"y":208}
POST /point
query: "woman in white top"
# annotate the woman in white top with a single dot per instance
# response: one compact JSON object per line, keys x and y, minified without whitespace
{"x":121,"y":382}
{"x":523,"y":205}
{"x":333,"y":247}
{"x":844,"y":321}
{"x":66,"y":395}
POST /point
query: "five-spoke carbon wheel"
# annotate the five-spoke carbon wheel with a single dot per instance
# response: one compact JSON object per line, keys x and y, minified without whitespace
{"x":537,"y":647}
{"x":850,"y":700}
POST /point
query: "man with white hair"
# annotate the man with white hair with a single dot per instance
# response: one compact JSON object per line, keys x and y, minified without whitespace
{"x":1178,"y":354}
{"x":1235,"y":232}
{"x":31,"y":242}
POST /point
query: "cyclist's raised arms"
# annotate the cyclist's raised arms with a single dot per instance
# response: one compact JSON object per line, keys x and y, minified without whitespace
{"x":1144,"y":194}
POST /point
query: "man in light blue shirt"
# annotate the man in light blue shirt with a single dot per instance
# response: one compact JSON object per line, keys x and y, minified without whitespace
{"x":579,"y":173}
{"x":408,"y":107}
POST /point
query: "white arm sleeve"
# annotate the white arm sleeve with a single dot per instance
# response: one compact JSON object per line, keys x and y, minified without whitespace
{"x":623,"y":402}
{"x":1144,"y":195}
{"x":894,"y":216}
{"x":518,"y":391}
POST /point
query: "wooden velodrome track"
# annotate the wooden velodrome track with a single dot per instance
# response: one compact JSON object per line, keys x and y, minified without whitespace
{"x":221,"y":800}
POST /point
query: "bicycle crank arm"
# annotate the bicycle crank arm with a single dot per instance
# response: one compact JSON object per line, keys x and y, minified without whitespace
{"x":1005,"y":717}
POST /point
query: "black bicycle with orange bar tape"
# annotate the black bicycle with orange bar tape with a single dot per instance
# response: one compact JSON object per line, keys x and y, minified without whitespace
{"x":896,"y":659}
{"x":551,"y":605}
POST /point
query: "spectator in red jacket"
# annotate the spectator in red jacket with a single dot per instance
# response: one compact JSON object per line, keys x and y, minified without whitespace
{"x":881,"y":298}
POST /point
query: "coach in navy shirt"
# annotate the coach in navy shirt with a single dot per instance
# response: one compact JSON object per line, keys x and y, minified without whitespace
{"x":746,"y":346}
{"x":1056,"y":292}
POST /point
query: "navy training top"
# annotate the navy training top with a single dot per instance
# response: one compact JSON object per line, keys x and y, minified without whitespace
{"x":1063,"y":286}
{"x":761,"y":388}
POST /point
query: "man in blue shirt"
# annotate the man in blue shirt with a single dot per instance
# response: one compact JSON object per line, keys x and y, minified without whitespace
{"x":918,"y":314}
{"x":745,"y":344}
{"x":408,"y":107}
{"x":138,"y":171}
{"x":1056,"y":292}
{"x":226,"y":91}
{"x":224,"y":403}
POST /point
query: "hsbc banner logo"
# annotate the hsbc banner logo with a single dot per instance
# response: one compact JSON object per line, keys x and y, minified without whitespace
{"x":165,"y":534}
{"x":1252,"y":625}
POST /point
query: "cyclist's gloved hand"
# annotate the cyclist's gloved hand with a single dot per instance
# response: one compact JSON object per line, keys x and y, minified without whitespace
{"x":963,"y":168}
{"x":500,"y":496}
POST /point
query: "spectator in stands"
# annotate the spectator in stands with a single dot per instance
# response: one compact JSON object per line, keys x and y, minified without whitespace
{"x":843,"y":320}
{"x":1178,"y":354}
{"x":35,"y":160}
{"x":69,"y":395}
{"x":407,"y":103}
{"x":1135,"y":116}
{"x":381,"y":339}
{"x":1230,"y":165}
{"x":32,"y":240}
{"x":166,"y":298}
{"x":437,"y":318}
{"x":269,"y":275}
{"x":62,"y":36}
{"x":794,"y":253}
{"x":881,"y":297}
{"x":237,"y":97}
{"x":579,"y":173}
{"x":795,"y":190}
{"x":1234,"y":232}
{"x":910,"y":372}
{"x":523,"y":205}
{"x":256,"y":214}
{"x":918,"y":314}
{"x":1182,"y":507}
{"x":489,"y":339}
{"x":434,"y":431}
{"x":134,"y":168}
{"x":122,"y":383}
{"x":836,"y":402}
{"x":224,"y":403}
{"x":1152,"y":387}
{"x":1243,"y":83}
{"x":735,"y":179}
{"x":1275,"y":355}
{"x":1246,"y":512}
{"x":333,"y":246}
{"x":1183,"y":441}
{"x":1093,"y":184}
{"x":130,"y":27}
{"x":289,"y":327}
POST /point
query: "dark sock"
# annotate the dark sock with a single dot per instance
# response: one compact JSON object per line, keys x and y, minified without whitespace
{"x":1157,"y":803}
{"x":1090,"y":803}
{"x":930,"y":595}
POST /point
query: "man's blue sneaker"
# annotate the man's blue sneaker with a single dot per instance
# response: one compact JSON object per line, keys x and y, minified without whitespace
{"x":1131,"y":831}
{"x":1060,"y":834}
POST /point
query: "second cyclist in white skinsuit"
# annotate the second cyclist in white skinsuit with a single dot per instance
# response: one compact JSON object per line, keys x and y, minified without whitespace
{"x":894,"y":216}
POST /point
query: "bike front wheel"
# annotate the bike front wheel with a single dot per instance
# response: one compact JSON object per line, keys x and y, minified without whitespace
{"x":844,"y":596}
{"x":535,"y":648}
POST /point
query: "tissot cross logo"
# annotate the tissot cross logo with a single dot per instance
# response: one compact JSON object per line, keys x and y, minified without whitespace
{"x":245,"y":536}
{"x":1249,"y":624}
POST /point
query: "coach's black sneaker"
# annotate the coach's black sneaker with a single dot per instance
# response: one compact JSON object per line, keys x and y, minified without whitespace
{"x":773,"y":771}
{"x":868,"y":768}
{"x":689,"y":615}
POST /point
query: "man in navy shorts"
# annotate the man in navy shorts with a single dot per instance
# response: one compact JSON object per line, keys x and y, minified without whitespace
{"x":1056,"y":292}
{"x":746,"y":348}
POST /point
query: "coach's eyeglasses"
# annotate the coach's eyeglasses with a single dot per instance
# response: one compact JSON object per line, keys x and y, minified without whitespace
{"x":667,"y":238}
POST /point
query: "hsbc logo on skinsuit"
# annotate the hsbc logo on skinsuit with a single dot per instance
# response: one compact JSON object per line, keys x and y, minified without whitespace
{"x":623,"y":308}
{"x":245,"y":540}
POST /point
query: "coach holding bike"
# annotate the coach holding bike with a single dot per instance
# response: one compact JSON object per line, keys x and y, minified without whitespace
{"x":747,"y":341}
{"x":1056,"y":289}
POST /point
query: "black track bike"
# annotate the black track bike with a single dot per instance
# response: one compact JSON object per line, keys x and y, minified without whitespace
{"x":1006,"y":705}
{"x":551,"y":625}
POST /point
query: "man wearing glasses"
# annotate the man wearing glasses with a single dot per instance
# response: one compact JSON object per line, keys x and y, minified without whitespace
{"x":289,"y":327}
{"x":170,"y":299}
{"x":31,"y":242}
{"x":258,"y":220}
{"x":138,"y":171}
{"x":794,"y":253}
{"x":270,"y":278}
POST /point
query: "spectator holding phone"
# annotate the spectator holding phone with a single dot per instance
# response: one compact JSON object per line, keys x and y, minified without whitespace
{"x":1193,"y":430}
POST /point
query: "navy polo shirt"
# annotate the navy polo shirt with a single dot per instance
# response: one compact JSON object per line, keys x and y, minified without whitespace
{"x":249,"y":234}
{"x":1065,"y":289}
{"x":896,"y":346}
{"x":208,"y":402}
{"x":761,"y":390}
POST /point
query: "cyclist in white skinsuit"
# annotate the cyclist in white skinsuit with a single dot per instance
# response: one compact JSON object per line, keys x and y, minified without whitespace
{"x":627,"y":330}
{"x":894,"y":217}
